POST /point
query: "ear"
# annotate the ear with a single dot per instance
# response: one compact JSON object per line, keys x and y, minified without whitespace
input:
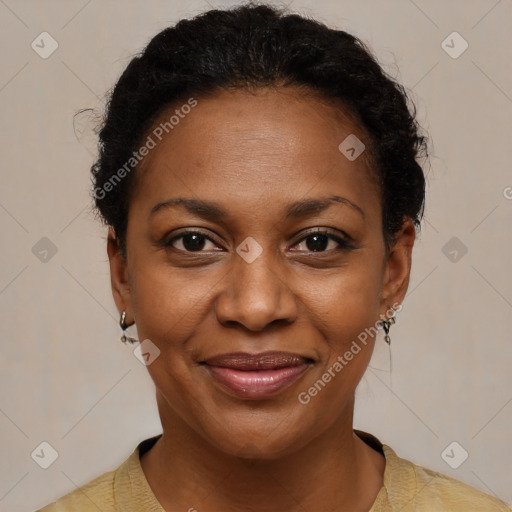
{"x":397,"y":267}
{"x":119,"y":276}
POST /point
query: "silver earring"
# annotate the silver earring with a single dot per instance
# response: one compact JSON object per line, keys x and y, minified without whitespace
{"x":124,"y":326}
{"x":386,"y":325}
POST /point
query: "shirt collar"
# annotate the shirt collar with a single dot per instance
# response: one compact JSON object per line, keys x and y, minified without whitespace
{"x":132,"y":492}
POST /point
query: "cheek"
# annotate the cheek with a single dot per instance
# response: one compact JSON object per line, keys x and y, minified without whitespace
{"x":346,"y":316}
{"x":165,"y":310}
{"x":167,"y":302}
{"x":345,"y":304}
{"x":346,"y":320}
{"x":169,"y":307}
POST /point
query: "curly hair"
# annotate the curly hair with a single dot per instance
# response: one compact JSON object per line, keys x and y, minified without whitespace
{"x":251,"y":46}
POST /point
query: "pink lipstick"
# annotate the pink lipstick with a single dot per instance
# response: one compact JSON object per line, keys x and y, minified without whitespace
{"x":257,"y":375}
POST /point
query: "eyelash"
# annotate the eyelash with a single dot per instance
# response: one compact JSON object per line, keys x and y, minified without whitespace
{"x":344,"y":244}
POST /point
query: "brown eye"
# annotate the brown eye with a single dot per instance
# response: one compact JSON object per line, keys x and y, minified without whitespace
{"x":190,"y":241}
{"x":318,"y":241}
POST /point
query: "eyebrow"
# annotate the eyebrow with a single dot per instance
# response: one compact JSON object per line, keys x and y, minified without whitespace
{"x":212,"y":210}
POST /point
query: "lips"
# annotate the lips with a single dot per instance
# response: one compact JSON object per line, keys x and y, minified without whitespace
{"x":257,"y":375}
{"x":263,"y":361}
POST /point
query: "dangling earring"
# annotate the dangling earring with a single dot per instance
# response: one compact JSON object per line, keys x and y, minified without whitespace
{"x":124,"y":326}
{"x":386,"y":324}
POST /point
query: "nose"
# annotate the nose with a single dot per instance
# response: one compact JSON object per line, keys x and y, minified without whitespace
{"x":256,"y":294}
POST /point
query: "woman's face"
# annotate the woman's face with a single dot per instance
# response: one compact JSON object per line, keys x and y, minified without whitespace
{"x":254,"y":278}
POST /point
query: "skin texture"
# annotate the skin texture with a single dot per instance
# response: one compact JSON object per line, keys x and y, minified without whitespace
{"x":254,"y":153}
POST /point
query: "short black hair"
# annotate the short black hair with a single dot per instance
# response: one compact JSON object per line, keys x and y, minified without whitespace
{"x":258,"y":45}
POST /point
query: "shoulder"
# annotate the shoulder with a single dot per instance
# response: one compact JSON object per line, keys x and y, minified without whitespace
{"x":430,"y":490}
{"x":458,"y":495}
{"x":124,"y":488}
{"x":98,"y":494}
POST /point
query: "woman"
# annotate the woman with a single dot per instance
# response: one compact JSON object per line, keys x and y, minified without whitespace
{"x":259,"y":176}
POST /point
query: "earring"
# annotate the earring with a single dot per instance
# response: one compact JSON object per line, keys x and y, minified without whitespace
{"x":124,"y":326}
{"x":386,"y":324}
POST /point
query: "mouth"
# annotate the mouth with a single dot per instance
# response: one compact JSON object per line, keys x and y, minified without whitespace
{"x":257,"y":375}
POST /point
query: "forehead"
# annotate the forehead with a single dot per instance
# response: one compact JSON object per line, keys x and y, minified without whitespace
{"x":273,"y":144}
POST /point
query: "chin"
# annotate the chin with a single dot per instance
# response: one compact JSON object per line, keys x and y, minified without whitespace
{"x":264,"y":439}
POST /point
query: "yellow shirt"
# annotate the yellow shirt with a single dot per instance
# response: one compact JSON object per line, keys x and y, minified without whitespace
{"x":407,"y":488}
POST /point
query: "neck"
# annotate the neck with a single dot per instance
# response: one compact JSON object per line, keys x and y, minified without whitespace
{"x":333,"y":472}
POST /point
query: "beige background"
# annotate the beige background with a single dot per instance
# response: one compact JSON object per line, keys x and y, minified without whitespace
{"x":67,"y":379}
